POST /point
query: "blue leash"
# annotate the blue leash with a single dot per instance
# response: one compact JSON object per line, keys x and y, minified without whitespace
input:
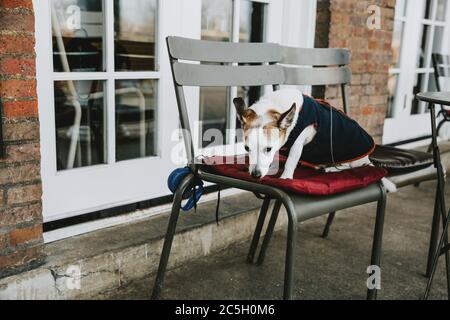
{"x":193,"y":193}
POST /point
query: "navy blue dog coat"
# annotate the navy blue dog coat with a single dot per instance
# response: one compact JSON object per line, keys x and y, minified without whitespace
{"x":350,"y":141}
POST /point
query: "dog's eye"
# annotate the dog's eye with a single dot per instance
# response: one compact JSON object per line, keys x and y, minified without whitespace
{"x":247,"y":149}
{"x":268,"y":150}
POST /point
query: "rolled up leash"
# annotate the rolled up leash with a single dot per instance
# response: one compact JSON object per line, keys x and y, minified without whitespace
{"x":193,"y":193}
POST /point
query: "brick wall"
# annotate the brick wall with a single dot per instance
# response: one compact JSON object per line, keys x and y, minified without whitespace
{"x":343,"y":24}
{"x":20,"y":187}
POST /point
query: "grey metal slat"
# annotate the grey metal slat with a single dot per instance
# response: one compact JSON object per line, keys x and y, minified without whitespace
{"x":315,"y":57}
{"x":225,"y":52}
{"x":317,"y":76}
{"x":187,"y":74}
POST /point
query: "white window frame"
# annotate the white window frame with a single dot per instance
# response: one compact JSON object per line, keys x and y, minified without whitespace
{"x":404,"y":125}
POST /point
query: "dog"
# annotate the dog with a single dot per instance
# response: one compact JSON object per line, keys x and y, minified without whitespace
{"x":310,"y":131}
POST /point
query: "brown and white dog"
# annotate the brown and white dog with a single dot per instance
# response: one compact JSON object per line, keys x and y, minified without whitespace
{"x":267,"y":127}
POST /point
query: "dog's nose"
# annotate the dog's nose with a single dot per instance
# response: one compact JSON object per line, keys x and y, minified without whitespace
{"x":256,"y":174}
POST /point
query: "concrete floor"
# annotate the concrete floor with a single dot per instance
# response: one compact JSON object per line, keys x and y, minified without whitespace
{"x":334,"y":268}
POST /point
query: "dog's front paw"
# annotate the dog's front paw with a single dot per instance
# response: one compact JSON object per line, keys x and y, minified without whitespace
{"x":287,"y":176}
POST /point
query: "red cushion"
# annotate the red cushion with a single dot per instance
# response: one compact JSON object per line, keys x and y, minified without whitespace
{"x":306,"y":180}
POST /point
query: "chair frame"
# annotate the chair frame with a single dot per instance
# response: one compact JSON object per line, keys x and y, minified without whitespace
{"x":298,"y":207}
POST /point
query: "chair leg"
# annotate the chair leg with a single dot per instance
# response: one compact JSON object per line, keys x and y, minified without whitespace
{"x":434,"y":236}
{"x":171,"y":228}
{"x":377,"y":239}
{"x":258,"y":229}
{"x":326,"y":229}
{"x":269,"y":232}
{"x":290,"y":257}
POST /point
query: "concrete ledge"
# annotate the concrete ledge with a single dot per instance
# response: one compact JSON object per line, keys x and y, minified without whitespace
{"x":83,"y":266}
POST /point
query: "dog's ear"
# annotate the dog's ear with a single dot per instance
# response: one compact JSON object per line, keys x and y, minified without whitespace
{"x":287,"y":118}
{"x":244,"y":114}
{"x":239,"y":104}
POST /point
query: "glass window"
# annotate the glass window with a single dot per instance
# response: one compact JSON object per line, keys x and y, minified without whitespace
{"x":79,"y":123}
{"x":79,"y":45}
{"x":134,"y":35}
{"x":135,"y":119}
{"x":77,"y":27}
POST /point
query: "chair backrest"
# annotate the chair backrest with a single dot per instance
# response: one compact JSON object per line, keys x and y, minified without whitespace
{"x":317,"y":67}
{"x":441,"y":65}
{"x":223,"y":69}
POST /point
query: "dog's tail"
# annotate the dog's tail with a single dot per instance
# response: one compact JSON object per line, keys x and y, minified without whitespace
{"x":389,"y":185}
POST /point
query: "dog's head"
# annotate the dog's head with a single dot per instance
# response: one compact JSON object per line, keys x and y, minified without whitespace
{"x":264,"y":135}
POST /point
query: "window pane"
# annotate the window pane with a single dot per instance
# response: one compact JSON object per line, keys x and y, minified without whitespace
{"x":216,"y":20}
{"x":392,"y":88}
{"x":136,"y":124}
{"x":77,"y":35}
{"x":134,"y":35}
{"x":438,"y":39}
{"x":252,"y":19}
{"x":79,"y":107}
{"x":418,"y":84}
{"x":422,"y":60}
{"x":428,"y":12}
{"x":214,"y":104}
{"x":441,"y":10}
{"x":213,"y":115}
{"x":251,"y":29}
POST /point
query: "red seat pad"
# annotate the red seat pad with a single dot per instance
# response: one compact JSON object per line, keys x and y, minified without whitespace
{"x":306,"y":180}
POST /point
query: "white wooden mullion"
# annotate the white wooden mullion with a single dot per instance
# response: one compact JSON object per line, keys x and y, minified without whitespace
{"x":110,"y":84}
{"x":235,"y":25}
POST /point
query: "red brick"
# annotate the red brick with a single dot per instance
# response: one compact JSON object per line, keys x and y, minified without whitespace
{"x":21,"y":257}
{"x":28,"y":130}
{"x":21,"y":153}
{"x":22,"y":236}
{"x":12,"y":21}
{"x":20,"y":174}
{"x":14,"y":66}
{"x":20,"y":109}
{"x":16,"y":215}
{"x":18,"y":195}
{"x":4,"y":243}
{"x":13,"y":4}
{"x":14,"y":89}
{"x":16,"y":44}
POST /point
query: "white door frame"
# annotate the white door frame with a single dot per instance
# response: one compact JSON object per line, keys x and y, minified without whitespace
{"x":78,"y":191}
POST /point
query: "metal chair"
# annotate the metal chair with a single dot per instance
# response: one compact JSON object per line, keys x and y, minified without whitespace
{"x":443,"y":247}
{"x":299,"y":207}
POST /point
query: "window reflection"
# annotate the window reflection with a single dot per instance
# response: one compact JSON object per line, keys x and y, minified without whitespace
{"x":134,"y":35}
{"x":79,"y":122}
{"x":135,"y":119}
{"x":77,"y":27}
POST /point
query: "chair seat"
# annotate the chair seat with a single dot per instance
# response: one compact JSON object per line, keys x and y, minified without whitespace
{"x":306,"y":181}
{"x":397,"y":160}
